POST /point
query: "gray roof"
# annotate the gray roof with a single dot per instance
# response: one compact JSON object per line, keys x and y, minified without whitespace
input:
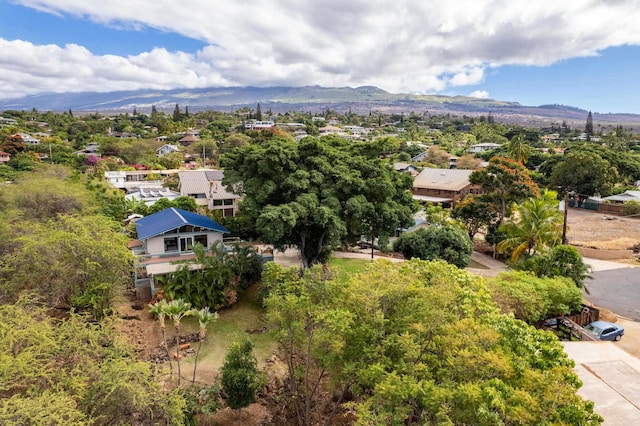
{"x":208,"y":182}
{"x":446,"y":179}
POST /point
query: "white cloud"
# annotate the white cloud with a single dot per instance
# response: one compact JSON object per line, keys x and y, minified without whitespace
{"x":482,"y":94}
{"x":412,"y":46}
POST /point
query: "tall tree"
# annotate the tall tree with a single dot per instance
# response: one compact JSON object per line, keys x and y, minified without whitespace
{"x":176,"y":310}
{"x":409,"y":339}
{"x":204,"y":317}
{"x":588,"y":128}
{"x":176,"y":113}
{"x":315,"y":194}
{"x":258,"y":112}
{"x":503,"y":181}
{"x":519,"y":149}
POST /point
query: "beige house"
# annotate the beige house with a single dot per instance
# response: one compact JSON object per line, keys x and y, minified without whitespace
{"x":443,"y":186}
{"x":206,"y":187}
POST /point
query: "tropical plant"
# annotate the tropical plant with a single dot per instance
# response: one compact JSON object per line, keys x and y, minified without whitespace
{"x":536,"y":224}
{"x":211,"y":284}
{"x":519,"y":149}
{"x":159,"y":309}
{"x":204,"y":317}
{"x":176,"y":310}
{"x":559,"y":261}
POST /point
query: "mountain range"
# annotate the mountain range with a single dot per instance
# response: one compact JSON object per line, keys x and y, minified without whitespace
{"x":363,"y":100}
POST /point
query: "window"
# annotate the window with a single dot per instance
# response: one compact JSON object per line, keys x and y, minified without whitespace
{"x":171,"y":244}
{"x":228,"y":202}
{"x":217,"y":202}
{"x":201,"y":239}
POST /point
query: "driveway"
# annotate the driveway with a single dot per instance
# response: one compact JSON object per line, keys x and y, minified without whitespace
{"x":615,"y":286}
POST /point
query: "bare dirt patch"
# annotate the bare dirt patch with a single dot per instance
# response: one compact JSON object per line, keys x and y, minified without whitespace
{"x":600,"y":231}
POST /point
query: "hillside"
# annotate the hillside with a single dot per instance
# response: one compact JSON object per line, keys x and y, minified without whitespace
{"x":313,"y":99}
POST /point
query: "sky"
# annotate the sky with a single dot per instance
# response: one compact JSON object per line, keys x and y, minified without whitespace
{"x":582,"y":53}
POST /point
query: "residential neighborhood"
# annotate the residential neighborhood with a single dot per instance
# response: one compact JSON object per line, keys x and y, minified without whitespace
{"x":182,"y":218}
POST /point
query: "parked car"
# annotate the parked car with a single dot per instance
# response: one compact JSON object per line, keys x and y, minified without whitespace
{"x":603,"y":330}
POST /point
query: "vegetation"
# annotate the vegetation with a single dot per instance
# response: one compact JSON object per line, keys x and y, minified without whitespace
{"x":532,"y":299}
{"x":315,"y":194}
{"x":535,"y":226}
{"x":503,"y":182}
{"x":416,"y":342}
{"x":74,"y":372}
{"x":448,"y":242}
{"x":216,"y":280}
{"x":240,"y":377}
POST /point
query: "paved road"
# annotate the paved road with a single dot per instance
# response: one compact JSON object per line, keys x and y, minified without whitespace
{"x":617,"y":290}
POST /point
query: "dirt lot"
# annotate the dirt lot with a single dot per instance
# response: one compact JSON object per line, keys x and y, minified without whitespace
{"x":596,"y":230}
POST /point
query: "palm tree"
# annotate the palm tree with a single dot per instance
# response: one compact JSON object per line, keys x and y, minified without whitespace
{"x":204,"y":318}
{"x":159,"y":309}
{"x":176,"y":310}
{"x":536,"y":224}
{"x":519,"y":149}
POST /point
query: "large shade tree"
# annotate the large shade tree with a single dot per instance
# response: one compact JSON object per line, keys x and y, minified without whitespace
{"x":316,"y":194}
{"x":585,"y":173}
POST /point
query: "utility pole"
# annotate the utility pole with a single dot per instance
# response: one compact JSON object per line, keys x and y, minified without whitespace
{"x":564,"y":223}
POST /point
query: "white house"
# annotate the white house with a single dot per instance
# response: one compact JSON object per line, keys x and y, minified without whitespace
{"x":258,"y":125}
{"x":482,"y":147}
{"x":150,"y":195}
{"x":167,"y":149}
{"x":176,"y":231}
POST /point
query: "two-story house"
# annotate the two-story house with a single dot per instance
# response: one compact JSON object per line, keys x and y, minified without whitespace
{"x":443,"y":186}
{"x":206,"y":187}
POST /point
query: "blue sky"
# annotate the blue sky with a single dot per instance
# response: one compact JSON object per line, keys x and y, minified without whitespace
{"x":579,"y":53}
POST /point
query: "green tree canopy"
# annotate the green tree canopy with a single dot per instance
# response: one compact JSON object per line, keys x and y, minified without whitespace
{"x":418,"y":342}
{"x":584,"y":173}
{"x":531,"y":298}
{"x":314,"y":194}
{"x":240,"y":376}
{"x":448,"y":242}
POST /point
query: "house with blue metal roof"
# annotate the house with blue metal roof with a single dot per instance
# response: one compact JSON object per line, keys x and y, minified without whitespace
{"x":174,"y":232}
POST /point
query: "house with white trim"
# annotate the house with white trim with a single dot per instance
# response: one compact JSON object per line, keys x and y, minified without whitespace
{"x":206,"y":187}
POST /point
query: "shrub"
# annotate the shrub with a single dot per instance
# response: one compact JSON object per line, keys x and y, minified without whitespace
{"x":449,"y":243}
{"x":631,"y":208}
{"x":532,"y":298}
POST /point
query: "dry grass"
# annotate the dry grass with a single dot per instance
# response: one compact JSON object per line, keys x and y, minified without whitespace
{"x":592,"y":229}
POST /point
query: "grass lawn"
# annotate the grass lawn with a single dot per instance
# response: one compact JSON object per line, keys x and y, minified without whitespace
{"x":245,"y":315}
{"x":343,"y":268}
{"x":232,"y":323}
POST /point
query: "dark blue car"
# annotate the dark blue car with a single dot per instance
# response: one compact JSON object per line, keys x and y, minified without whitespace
{"x":603,"y":330}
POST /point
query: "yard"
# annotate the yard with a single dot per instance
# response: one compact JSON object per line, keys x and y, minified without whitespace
{"x":595,"y":230}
